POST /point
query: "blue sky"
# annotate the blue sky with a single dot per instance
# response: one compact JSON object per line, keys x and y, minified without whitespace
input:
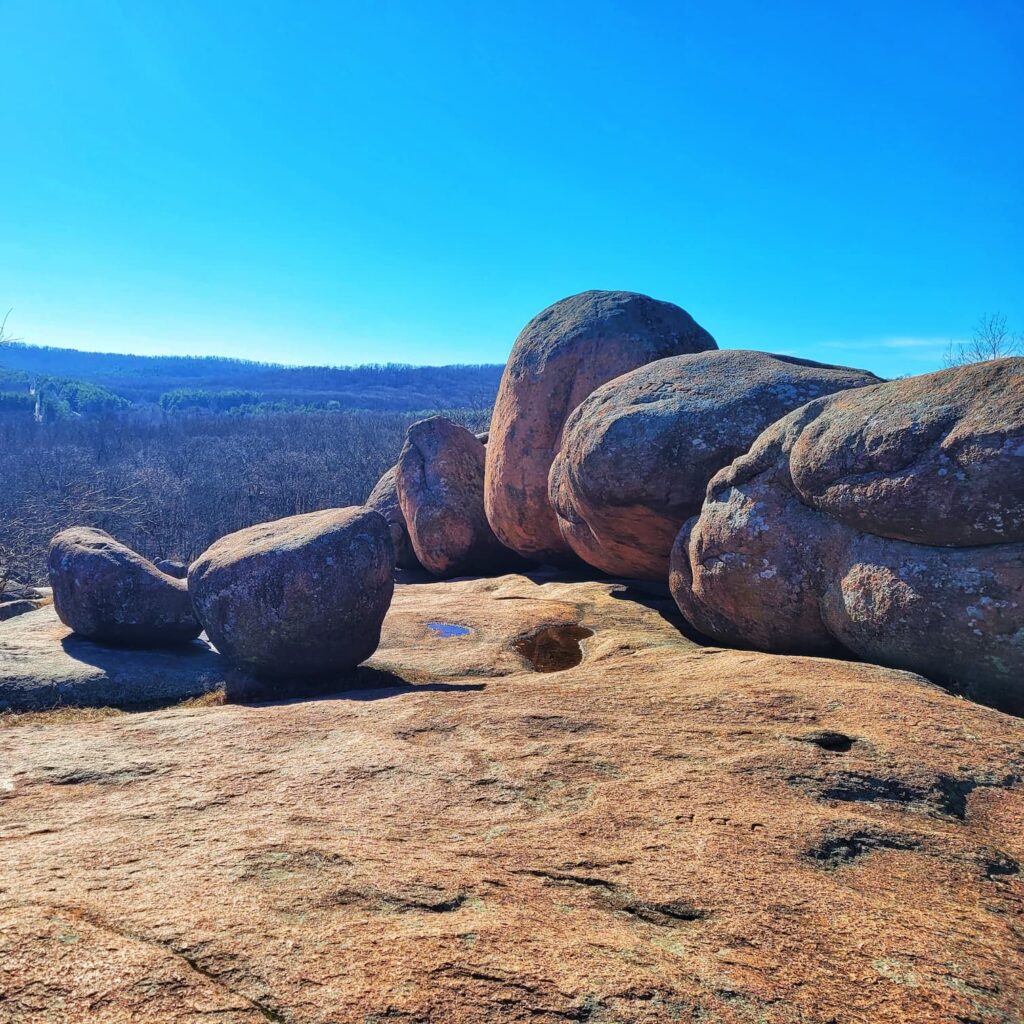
{"x":353,"y":182}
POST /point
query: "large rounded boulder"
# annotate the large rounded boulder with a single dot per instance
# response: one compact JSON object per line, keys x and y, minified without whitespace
{"x":440,"y":486}
{"x":299,"y":596}
{"x":560,"y":357}
{"x":637,"y":455}
{"x":384,"y":499}
{"x":887,"y":522}
{"x":104,"y":591}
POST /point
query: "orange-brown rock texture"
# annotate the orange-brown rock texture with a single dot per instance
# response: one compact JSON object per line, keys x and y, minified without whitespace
{"x":439,"y":480}
{"x":886,"y":520}
{"x":302,"y":595}
{"x":638,"y":454}
{"x":543,"y":803}
{"x":559,"y":358}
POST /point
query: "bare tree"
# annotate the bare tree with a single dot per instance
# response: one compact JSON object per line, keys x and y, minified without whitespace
{"x":4,"y":336}
{"x":168,"y":487}
{"x":992,"y":339}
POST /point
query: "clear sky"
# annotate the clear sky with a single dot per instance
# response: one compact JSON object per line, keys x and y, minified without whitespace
{"x":411,"y":181}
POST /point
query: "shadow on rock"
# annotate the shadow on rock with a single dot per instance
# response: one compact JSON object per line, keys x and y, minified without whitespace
{"x":108,"y":655}
{"x":659,"y":600}
{"x":364,"y":683}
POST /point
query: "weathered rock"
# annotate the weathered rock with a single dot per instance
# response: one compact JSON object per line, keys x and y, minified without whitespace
{"x":888,"y":521}
{"x":661,"y":833}
{"x":560,"y":357}
{"x":105,"y":591}
{"x":440,"y":486}
{"x":43,"y":664}
{"x":19,"y":606}
{"x":15,"y":591}
{"x":179,"y":570}
{"x":299,"y":596}
{"x":384,"y":499}
{"x":637,"y":455}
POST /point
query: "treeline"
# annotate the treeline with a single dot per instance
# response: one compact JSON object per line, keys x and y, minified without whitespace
{"x":170,"y":486}
{"x":145,"y":379}
{"x":54,"y":397}
{"x":194,"y":399}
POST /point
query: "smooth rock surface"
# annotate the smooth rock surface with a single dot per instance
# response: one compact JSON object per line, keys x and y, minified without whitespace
{"x":440,"y":485}
{"x":43,"y":664}
{"x":804,"y":544}
{"x":384,"y":499}
{"x":299,"y":596}
{"x":105,"y":591}
{"x":560,"y":357}
{"x":637,"y":455}
{"x":661,"y":833}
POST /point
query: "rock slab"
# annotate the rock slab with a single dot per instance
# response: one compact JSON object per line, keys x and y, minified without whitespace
{"x":43,"y":664}
{"x":559,"y":358}
{"x":662,"y":833}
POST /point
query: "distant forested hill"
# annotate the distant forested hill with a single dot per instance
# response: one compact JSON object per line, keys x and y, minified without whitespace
{"x":206,"y":382}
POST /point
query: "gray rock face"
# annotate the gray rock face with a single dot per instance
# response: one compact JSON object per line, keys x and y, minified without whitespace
{"x":105,"y":591}
{"x":560,"y":357}
{"x":440,"y":484}
{"x":176,"y":569}
{"x":44,"y":665}
{"x":299,"y":596}
{"x":24,"y":592}
{"x":886,"y":521}
{"x":384,"y":499}
{"x":19,"y":606}
{"x":637,"y":455}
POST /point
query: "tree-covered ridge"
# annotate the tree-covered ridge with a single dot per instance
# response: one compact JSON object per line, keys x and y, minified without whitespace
{"x":141,"y":379}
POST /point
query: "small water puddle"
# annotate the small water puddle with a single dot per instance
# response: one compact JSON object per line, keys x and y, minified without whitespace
{"x":448,"y":629}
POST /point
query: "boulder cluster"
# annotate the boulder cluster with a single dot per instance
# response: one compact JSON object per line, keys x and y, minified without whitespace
{"x":296,"y":597}
{"x":886,"y":522}
{"x":790,"y":505}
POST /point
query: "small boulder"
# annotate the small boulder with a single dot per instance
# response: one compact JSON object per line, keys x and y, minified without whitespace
{"x":384,"y":499}
{"x":440,"y":484}
{"x":887,"y":522}
{"x":560,"y":357}
{"x":299,"y":596}
{"x":17,"y":591}
{"x":104,"y":591}
{"x":637,"y":455}
{"x":19,"y":606}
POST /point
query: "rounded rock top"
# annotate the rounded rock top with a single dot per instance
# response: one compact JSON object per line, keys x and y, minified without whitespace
{"x":561,"y":356}
{"x":638,"y":453}
{"x":304,"y":595}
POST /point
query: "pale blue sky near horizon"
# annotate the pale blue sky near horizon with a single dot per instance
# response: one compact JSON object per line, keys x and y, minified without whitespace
{"x":345,"y":183}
